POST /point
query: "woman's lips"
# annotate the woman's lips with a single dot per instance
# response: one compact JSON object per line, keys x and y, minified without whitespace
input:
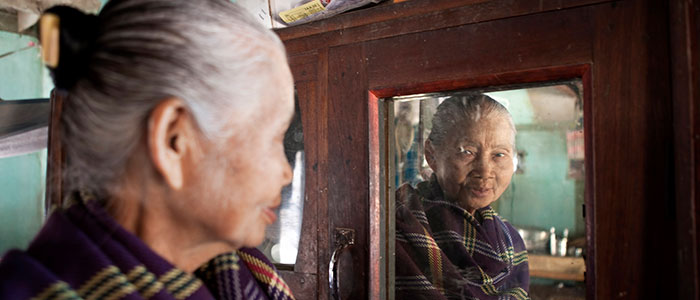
{"x":480,"y":192}
{"x":269,"y":215}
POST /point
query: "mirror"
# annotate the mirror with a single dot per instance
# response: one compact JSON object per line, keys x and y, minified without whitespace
{"x":488,"y":192}
{"x":281,"y":244}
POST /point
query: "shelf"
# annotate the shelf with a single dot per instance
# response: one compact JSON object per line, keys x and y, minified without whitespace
{"x":557,"y":267}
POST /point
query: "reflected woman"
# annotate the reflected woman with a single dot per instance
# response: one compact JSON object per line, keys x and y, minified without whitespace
{"x":450,"y":244}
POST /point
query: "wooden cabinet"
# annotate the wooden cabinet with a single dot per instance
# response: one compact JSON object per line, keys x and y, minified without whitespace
{"x":621,"y":51}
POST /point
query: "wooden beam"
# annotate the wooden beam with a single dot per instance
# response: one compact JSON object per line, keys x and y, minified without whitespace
{"x":685,"y":61}
{"x":448,"y":12}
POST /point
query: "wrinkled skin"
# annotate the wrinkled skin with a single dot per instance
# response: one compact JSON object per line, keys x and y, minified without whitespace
{"x":474,"y":163}
{"x":240,"y":182}
{"x":206,"y":196}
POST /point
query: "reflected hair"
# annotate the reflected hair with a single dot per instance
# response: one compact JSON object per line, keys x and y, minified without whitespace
{"x":116,"y":67}
{"x":472,"y":107}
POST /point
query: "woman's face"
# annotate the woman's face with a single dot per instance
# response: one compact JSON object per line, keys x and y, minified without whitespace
{"x":240,"y":180}
{"x":474,"y":163}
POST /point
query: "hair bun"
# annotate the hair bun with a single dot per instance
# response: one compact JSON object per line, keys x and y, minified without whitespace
{"x":77,"y":35}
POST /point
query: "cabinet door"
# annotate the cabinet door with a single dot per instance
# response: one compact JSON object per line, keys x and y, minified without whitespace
{"x":305,"y":275}
{"x":618,"y":49}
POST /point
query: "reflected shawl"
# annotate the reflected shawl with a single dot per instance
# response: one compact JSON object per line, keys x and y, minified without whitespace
{"x":82,"y":253}
{"x":444,"y":252}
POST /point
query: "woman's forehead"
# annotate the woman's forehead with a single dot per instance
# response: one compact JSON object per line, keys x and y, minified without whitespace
{"x":493,"y":123}
{"x":496,"y":129}
{"x":494,"y":141}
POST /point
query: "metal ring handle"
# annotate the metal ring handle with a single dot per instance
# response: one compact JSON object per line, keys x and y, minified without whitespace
{"x":344,"y":237}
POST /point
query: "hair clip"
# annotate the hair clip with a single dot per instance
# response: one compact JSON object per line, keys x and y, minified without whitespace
{"x":49,"y":35}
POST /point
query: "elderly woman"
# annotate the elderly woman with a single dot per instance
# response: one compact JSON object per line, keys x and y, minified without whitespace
{"x":174,"y":156}
{"x":450,"y":244}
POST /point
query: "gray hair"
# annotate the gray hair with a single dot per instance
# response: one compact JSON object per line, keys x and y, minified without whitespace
{"x":145,"y":51}
{"x":467,"y":107}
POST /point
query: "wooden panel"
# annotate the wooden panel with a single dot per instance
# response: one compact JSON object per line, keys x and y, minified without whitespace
{"x":307,"y":68}
{"x":310,"y":92}
{"x":518,"y":44}
{"x":409,"y":13}
{"x":348,"y":162}
{"x":324,"y":238}
{"x":543,"y":74}
{"x":55,"y":156}
{"x":633,"y":65}
{"x":481,"y":11}
{"x":635,"y":255}
{"x":303,"y":286}
{"x":304,"y":67}
{"x":475,"y":43}
{"x":307,"y":256}
{"x":685,"y":61}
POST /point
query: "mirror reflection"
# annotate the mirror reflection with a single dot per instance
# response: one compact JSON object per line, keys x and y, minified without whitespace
{"x":490,"y":193}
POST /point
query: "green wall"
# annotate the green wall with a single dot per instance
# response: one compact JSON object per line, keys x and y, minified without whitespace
{"x":541,"y":195}
{"x":22,"y":181}
{"x":22,"y":74}
{"x":22,"y":178}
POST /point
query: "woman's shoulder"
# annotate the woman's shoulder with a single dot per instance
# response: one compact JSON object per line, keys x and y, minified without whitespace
{"x":518,"y":242}
{"x":21,"y":276}
{"x":411,"y":196}
{"x":48,"y":264}
{"x":406,"y":197}
{"x":404,"y":191}
{"x":427,"y":189}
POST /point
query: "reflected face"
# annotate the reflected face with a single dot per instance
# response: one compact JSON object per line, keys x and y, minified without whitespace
{"x":474,"y":163}
{"x":240,"y":180}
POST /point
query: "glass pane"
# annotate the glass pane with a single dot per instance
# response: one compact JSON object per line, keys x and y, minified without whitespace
{"x":281,"y":243}
{"x":490,"y":193}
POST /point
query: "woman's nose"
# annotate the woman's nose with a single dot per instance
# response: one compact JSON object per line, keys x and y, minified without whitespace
{"x":482,"y":167}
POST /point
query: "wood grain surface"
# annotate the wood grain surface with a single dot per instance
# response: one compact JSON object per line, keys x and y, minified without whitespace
{"x":685,"y":66}
{"x":620,"y":49}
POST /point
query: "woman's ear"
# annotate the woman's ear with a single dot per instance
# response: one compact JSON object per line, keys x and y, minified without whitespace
{"x":430,"y":154}
{"x":169,"y":139}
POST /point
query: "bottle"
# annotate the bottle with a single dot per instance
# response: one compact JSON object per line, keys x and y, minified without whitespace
{"x":552,"y":241}
{"x":563,"y":242}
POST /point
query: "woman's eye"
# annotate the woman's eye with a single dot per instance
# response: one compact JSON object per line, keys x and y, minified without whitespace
{"x":465,"y":151}
{"x":500,"y":155}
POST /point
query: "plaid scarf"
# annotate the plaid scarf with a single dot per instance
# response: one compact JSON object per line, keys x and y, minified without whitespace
{"x":82,"y":253}
{"x":444,"y":252}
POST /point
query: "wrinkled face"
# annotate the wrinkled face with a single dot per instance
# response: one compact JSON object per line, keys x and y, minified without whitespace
{"x":240,"y":179}
{"x":474,"y":163}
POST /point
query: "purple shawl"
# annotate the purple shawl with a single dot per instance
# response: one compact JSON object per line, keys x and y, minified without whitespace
{"x":82,"y":253}
{"x":443,"y":252}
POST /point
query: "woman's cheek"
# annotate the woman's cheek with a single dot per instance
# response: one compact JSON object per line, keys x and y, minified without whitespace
{"x":504,"y":163}
{"x":460,"y":171}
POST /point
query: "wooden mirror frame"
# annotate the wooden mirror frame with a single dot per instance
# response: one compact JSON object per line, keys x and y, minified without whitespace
{"x":381,"y":209}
